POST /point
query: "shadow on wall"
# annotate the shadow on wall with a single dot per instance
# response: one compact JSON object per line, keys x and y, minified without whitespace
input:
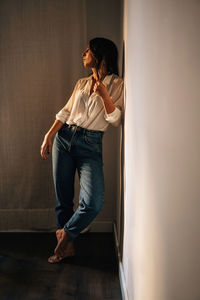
{"x":120,"y":181}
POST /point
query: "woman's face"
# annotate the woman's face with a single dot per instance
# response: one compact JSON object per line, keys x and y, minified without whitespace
{"x":89,"y":61}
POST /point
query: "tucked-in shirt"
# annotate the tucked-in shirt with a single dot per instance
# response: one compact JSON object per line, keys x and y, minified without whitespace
{"x":87,"y":110}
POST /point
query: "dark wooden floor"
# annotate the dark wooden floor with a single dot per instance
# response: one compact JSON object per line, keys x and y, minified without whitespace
{"x":25,"y":273}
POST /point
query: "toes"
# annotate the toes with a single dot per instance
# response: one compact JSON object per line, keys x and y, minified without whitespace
{"x":54,"y":259}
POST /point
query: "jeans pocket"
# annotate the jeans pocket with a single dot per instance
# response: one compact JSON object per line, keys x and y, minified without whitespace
{"x":93,"y":138}
{"x":64,"y":133}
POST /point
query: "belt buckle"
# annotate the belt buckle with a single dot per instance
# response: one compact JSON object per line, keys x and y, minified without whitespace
{"x":72,"y":126}
{"x":75,"y":127}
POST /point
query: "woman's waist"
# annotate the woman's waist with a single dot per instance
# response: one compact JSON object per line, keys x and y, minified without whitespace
{"x":77,"y":128}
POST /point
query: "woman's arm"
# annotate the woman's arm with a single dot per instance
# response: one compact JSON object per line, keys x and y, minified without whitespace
{"x":47,"y":142}
{"x":114,"y":103}
{"x":101,"y":90}
{"x":61,"y":118}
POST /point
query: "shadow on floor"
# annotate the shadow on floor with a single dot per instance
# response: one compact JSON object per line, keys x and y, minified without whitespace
{"x":25,"y":273}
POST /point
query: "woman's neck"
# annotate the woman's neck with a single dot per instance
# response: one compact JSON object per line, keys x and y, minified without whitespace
{"x":98,"y":74}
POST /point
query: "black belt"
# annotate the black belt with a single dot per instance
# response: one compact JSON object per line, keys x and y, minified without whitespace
{"x":75,"y":127}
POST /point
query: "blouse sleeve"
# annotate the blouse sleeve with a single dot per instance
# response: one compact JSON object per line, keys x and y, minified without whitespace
{"x":117,"y":96}
{"x":64,"y":113}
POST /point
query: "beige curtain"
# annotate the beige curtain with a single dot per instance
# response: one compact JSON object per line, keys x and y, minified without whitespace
{"x":40,"y":46}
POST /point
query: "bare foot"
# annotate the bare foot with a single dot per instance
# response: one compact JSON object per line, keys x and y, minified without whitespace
{"x":54,"y":259}
{"x":62,"y":243}
{"x":68,"y":252}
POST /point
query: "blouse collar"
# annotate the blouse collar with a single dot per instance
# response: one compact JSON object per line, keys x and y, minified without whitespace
{"x":106,"y":80}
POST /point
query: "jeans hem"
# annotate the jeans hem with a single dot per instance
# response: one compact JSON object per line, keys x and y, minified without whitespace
{"x":71,"y":236}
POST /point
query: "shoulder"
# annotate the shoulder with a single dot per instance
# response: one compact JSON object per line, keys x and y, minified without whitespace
{"x":117,"y":81}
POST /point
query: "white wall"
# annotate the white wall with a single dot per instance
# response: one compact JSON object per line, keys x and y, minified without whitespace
{"x":162,"y":150}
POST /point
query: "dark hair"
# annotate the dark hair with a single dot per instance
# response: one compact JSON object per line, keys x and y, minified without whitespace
{"x":105,"y":49}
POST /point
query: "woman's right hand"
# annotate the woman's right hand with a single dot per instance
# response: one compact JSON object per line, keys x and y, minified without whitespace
{"x":47,"y":142}
{"x":46,"y":147}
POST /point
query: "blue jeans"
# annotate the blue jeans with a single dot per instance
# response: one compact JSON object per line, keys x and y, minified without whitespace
{"x":76,"y":148}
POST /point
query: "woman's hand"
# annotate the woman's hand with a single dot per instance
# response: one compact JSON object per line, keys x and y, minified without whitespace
{"x":46,"y":146}
{"x":101,"y":90}
{"x":47,"y":142}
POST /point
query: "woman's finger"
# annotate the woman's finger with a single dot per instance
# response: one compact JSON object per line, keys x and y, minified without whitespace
{"x":95,"y":87}
{"x":98,"y":83}
{"x":43,"y":150}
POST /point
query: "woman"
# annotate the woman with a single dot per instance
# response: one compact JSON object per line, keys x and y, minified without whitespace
{"x":96,"y":102}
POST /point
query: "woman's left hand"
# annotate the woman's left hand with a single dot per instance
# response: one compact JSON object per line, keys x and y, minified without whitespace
{"x":101,"y":90}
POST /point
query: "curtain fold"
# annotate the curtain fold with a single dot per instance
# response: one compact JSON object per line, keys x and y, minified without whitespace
{"x":40,"y":58}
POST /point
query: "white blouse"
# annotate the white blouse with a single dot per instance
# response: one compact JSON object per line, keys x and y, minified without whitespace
{"x":87,"y":110}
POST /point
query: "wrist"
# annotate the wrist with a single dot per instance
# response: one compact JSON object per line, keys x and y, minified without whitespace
{"x":49,"y":135}
{"x":107,"y":101}
{"x":106,"y":98}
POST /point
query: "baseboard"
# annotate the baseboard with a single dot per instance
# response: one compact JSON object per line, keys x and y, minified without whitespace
{"x":121,"y":270}
{"x":39,"y":220}
{"x":101,"y":226}
{"x":22,"y":220}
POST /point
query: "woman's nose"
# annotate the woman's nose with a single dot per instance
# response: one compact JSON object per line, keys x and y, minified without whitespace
{"x":83,"y":53}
